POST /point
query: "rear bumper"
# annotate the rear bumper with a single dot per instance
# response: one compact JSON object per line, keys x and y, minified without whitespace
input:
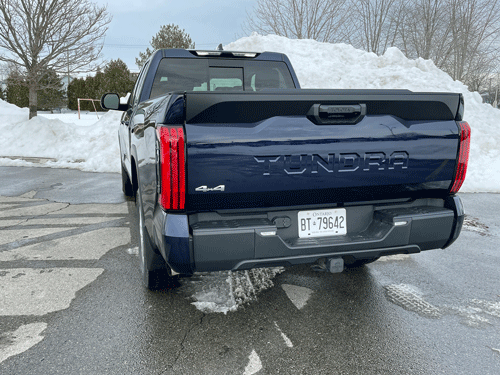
{"x":237,"y":241}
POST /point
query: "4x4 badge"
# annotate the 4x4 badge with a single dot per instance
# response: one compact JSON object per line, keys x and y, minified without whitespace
{"x":205,"y":188}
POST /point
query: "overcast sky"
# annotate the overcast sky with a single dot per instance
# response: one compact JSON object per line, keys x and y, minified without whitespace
{"x":135,"y":23}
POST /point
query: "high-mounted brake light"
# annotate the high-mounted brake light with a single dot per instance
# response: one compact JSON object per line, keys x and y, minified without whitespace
{"x":463,"y":156}
{"x":208,"y":53}
{"x":244,"y":54}
{"x":172,"y":169}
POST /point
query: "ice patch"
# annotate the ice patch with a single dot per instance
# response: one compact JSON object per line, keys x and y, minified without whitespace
{"x":397,"y":257}
{"x":221,"y":292}
{"x":20,"y":340}
{"x":473,"y":315}
{"x":488,"y":307}
{"x":133,"y":250}
{"x":409,"y":298}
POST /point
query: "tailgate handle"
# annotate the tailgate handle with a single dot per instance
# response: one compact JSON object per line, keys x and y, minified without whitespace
{"x":329,"y":114}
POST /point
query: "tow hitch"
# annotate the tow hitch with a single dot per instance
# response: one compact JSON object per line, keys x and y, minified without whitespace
{"x":332,"y":265}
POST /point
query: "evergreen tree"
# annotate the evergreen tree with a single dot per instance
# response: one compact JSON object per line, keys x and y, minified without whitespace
{"x":17,"y":90}
{"x":52,"y":96}
{"x":117,"y":78}
{"x":76,"y":89}
{"x":169,"y":36}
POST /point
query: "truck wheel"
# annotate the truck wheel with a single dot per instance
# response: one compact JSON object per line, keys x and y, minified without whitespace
{"x":127,"y":186}
{"x":152,"y":264}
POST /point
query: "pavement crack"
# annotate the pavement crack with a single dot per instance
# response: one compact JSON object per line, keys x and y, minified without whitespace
{"x":181,"y":345}
{"x":62,"y":234}
{"x":32,"y":217}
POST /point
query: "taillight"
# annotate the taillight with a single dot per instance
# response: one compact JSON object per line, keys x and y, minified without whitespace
{"x":463,"y":156}
{"x":172,"y":195}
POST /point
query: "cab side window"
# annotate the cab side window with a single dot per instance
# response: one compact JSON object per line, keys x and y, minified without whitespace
{"x":136,"y":94}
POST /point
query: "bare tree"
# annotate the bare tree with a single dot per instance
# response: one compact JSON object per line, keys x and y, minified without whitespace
{"x":475,"y":33}
{"x":377,"y":23}
{"x":425,"y":30}
{"x":322,"y":20}
{"x":44,"y":35}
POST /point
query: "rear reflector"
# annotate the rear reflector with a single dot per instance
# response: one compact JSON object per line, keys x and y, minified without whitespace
{"x":463,"y":156}
{"x":172,"y":194}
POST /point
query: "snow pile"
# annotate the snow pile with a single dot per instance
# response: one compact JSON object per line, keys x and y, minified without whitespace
{"x":341,"y":66}
{"x":227,"y":291}
{"x":87,"y":144}
{"x":11,"y":114}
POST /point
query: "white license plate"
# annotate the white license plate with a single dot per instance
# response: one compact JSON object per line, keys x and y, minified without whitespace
{"x":320,"y":223}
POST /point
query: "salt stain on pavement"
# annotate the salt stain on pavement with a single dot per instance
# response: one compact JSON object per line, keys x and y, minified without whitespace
{"x":26,"y":291}
{"x":23,"y":338}
{"x":85,"y":246}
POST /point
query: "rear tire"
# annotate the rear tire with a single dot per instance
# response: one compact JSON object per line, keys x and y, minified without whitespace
{"x":152,"y":265}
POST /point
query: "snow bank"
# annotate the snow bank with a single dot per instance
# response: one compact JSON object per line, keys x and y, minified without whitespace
{"x":11,"y":114}
{"x":87,"y":144}
{"x":341,"y":66}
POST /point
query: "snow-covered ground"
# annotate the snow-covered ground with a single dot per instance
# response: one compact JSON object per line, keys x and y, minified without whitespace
{"x":89,"y":144}
{"x":62,"y":140}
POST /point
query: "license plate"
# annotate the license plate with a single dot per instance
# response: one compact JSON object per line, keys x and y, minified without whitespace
{"x":321,"y":223}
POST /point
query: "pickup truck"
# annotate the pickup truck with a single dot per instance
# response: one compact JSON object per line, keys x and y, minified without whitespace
{"x":233,"y":166}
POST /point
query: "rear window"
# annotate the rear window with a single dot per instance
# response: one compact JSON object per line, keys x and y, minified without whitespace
{"x":176,"y":74}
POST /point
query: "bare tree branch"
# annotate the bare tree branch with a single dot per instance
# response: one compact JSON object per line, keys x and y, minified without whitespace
{"x":322,"y":20}
{"x":43,"y":35}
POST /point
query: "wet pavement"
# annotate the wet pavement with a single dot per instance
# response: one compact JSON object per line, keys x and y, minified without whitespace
{"x":71,"y":299}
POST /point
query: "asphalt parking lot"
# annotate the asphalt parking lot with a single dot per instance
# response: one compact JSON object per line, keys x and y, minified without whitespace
{"x":72,"y":301}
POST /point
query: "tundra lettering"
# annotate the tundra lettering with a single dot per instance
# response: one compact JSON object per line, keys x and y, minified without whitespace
{"x":345,"y":162}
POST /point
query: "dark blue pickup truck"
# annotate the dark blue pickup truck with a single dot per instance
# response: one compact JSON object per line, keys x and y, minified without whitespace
{"x":233,"y":166}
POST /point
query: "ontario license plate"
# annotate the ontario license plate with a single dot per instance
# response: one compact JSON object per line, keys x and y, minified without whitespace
{"x":321,"y":223}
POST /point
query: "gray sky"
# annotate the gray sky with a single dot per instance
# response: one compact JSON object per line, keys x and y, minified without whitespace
{"x":135,"y":23}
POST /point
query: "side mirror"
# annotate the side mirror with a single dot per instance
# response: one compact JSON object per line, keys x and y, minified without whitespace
{"x":112,"y":101}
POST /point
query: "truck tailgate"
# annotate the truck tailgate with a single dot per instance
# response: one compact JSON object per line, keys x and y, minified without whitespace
{"x":272,"y":150}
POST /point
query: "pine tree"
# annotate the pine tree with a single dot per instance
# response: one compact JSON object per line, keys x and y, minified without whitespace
{"x":76,"y":89}
{"x":169,"y":36}
{"x":117,"y":78}
{"x":52,"y":96}
{"x":17,"y":90}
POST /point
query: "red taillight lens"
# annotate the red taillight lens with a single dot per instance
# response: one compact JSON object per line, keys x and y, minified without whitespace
{"x":172,"y":168}
{"x":463,"y":157}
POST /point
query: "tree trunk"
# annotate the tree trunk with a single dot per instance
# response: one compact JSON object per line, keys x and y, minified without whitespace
{"x":33,"y":99}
